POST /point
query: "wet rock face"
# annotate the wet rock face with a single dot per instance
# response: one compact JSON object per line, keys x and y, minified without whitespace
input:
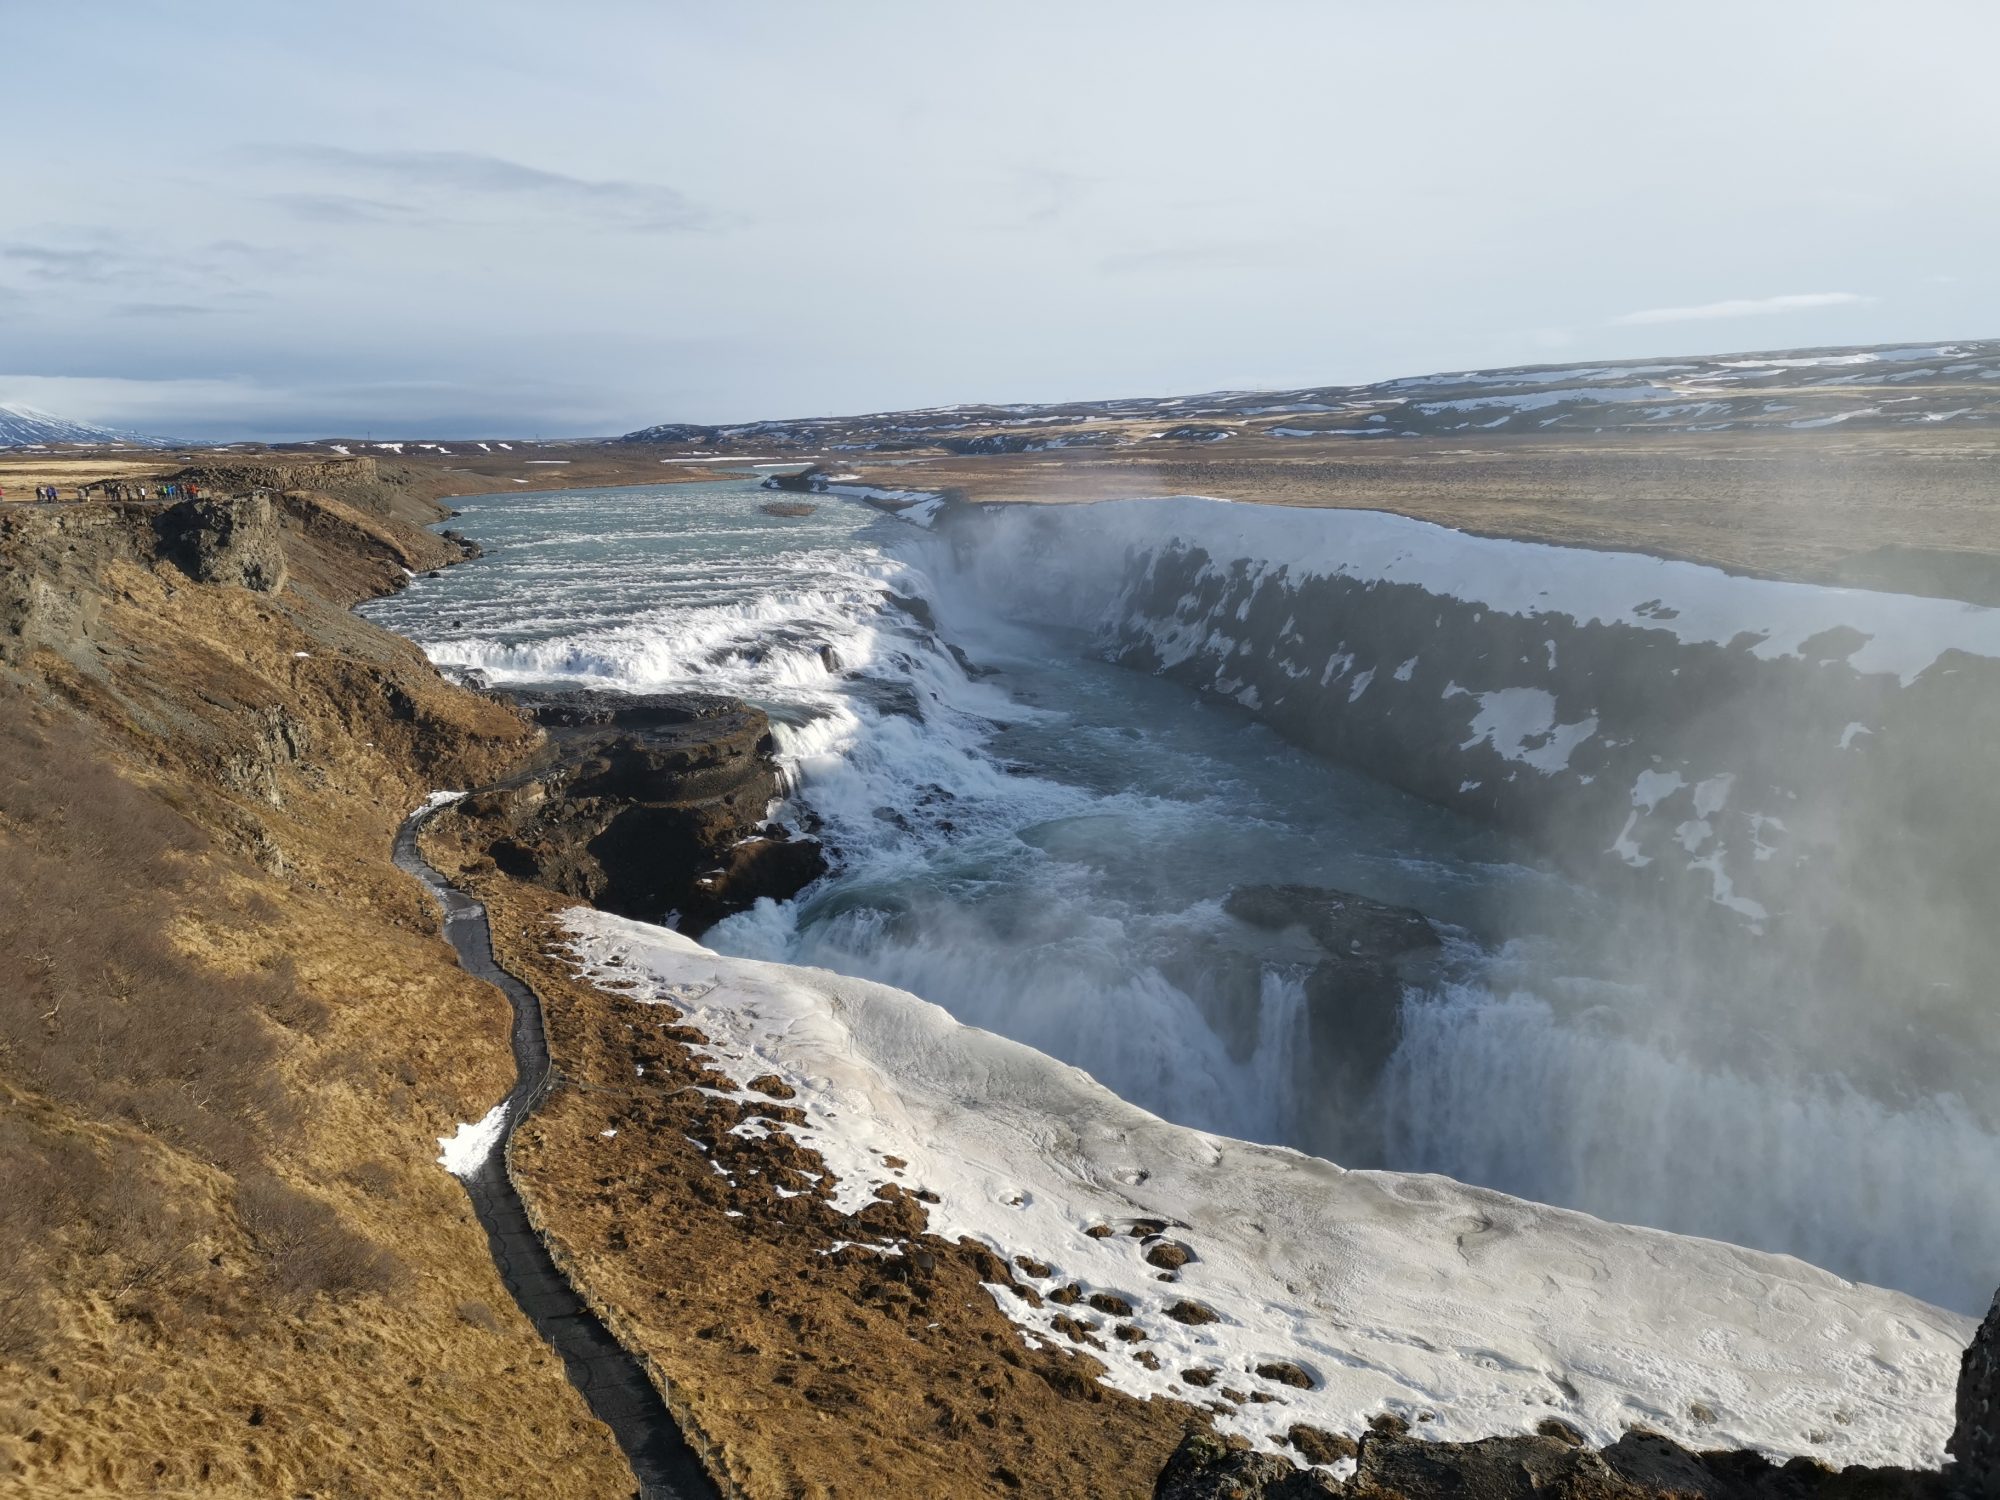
{"x":1802,"y":815}
{"x":1354,"y":998}
{"x":1349,"y":927}
{"x":1975,"y":1443}
{"x":656,"y":807}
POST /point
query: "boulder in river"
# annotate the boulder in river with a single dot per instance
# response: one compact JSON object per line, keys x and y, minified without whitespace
{"x":1350,"y":927}
{"x":807,"y":481}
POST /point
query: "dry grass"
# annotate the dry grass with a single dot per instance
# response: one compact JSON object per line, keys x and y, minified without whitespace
{"x":1796,"y":505}
{"x":20,"y":476}
{"x":231,"y":1265}
{"x":102,"y":1013}
{"x":817,"y":1371}
{"x":145,"y":1049}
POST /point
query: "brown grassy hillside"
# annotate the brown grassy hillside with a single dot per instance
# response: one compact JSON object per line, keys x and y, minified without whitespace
{"x":229,"y":1036}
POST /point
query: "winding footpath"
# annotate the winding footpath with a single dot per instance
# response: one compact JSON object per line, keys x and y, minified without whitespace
{"x":610,"y":1379}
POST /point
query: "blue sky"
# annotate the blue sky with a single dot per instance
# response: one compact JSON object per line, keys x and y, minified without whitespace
{"x":445,"y":218}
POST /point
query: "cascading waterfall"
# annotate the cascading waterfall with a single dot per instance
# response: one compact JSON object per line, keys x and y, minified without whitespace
{"x":1044,"y":851}
{"x":1495,"y":1089}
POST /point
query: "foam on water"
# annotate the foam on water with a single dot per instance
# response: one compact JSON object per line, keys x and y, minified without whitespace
{"x":1044,"y":851}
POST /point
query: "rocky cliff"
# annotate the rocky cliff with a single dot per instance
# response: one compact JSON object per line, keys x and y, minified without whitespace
{"x":1975,"y":1442}
{"x":1795,"y":773}
{"x":654,"y":807}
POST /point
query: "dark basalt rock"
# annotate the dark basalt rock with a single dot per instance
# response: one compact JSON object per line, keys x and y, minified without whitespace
{"x":1354,"y":998}
{"x":805,"y":482}
{"x":1205,"y":1467}
{"x":1975,"y":1443}
{"x":230,"y":541}
{"x":1640,"y":1466}
{"x":1346,"y":925}
{"x":655,"y":806}
{"x":585,"y":708}
{"x":917,"y":609}
{"x":1491,"y":1469}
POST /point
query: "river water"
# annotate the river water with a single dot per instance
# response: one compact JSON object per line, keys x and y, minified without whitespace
{"x":1041,"y":842}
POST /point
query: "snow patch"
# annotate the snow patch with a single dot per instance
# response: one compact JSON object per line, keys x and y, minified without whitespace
{"x":1520,"y":723}
{"x":465,"y":1151}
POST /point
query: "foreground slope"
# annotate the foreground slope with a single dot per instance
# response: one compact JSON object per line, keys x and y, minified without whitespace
{"x":1312,"y":1294}
{"x":231,"y":1032}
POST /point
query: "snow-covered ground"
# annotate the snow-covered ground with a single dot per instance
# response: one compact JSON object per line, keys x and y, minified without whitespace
{"x":1466,"y":1311}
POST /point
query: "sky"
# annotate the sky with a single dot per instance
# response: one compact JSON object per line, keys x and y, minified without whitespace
{"x":229,"y":218}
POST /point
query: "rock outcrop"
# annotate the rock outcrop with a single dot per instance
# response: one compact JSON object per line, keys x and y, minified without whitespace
{"x":655,"y":808}
{"x":51,"y":589}
{"x":1975,"y":1442}
{"x":1206,"y":1468}
{"x":318,"y":473}
{"x":1543,"y":1466}
{"x":229,"y":541}
{"x":1354,"y":997}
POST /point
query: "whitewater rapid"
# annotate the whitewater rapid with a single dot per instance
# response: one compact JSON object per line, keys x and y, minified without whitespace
{"x":1041,"y":843}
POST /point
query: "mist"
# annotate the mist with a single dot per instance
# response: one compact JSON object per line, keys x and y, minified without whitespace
{"x":1814,"y":1080}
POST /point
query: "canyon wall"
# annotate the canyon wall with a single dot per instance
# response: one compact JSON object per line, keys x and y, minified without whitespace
{"x":1795,"y":776}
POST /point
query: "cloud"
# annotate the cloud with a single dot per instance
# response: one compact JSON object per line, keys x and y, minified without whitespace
{"x":411,"y":184}
{"x":1047,"y":194}
{"x":52,"y":263}
{"x":345,"y":208}
{"x":280,"y":409}
{"x":1742,"y":307}
{"x":160,"y":310}
{"x":1220,"y":257}
{"x":101,"y":258}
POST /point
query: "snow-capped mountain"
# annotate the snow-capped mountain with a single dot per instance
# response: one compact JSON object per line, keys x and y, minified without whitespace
{"x":25,"y":427}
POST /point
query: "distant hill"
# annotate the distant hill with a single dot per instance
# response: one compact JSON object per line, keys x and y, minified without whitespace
{"x":25,"y":427}
{"x":1883,"y":386}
